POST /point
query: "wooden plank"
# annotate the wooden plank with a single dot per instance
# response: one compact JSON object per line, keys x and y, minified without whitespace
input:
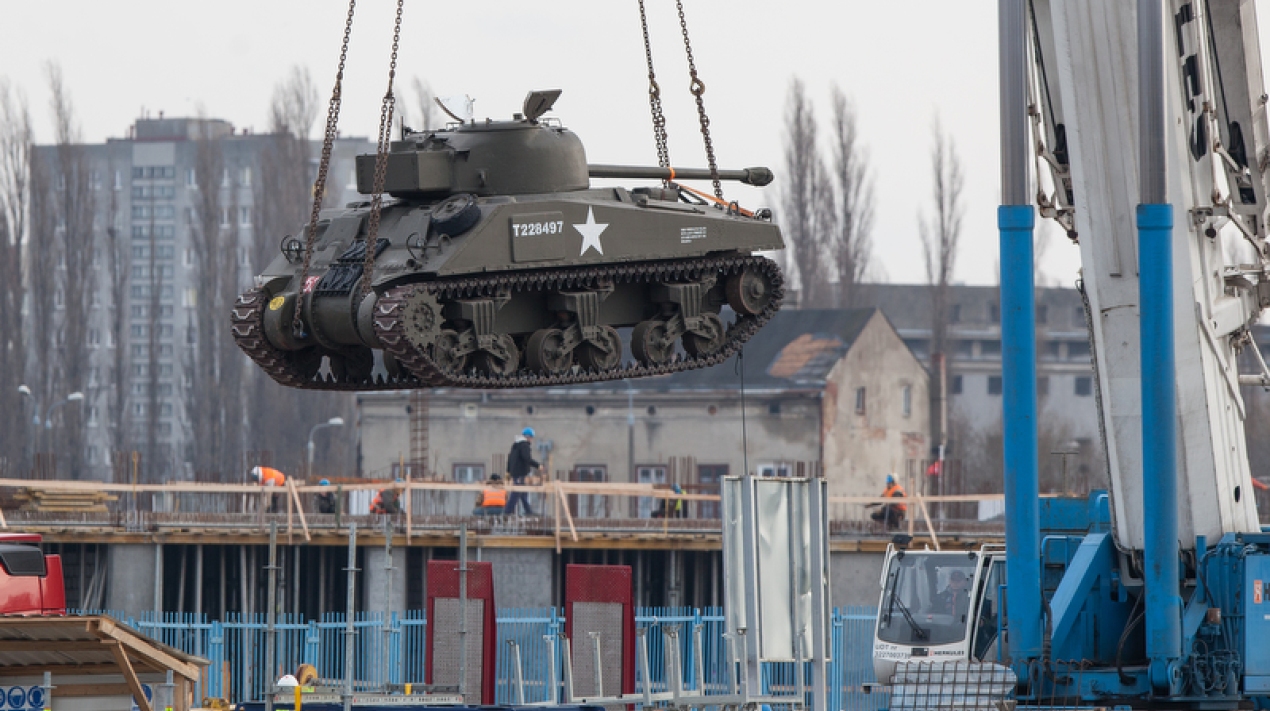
{"x":303,"y":523}
{"x":81,"y":690}
{"x":130,"y":677}
{"x":564,"y":504}
{"x":25,"y":645}
{"x":157,"y":657}
{"x":59,"y":669}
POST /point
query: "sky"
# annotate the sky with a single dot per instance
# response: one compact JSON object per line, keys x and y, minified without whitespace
{"x":904,"y":65}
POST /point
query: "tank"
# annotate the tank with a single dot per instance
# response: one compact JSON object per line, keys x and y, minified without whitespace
{"x":498,"y":265}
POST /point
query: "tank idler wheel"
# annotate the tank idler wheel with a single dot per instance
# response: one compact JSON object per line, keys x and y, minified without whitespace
{"x":445,"y":352}
{"x":748,"y":293}
{"x":709,"y":340}
{"x":503,"y":363}
{"x":546,"y":353}
{"x":650,"y":344}
{"x":603,"y":356}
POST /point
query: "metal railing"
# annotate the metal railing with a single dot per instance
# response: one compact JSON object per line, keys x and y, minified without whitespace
{"x":235,"y":648}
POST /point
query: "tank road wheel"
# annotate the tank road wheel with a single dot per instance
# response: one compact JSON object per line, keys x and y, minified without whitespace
{"x":650,"y":344}
{"x":607,"y":355}
{"x":445,"y":352}
{"x":545,"y":352}
{"x":502,"y":364}
{"x":748,"y":293}
{"x":709,"y":341}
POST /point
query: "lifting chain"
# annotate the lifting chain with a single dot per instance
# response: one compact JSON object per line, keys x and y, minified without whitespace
{"x":324,"y":164}
{"x":381,"y":158}
{"x":698,"y":89}
{"x":654,"y":97}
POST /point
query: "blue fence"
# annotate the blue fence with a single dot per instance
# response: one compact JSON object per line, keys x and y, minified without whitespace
{"x":393,"y":651}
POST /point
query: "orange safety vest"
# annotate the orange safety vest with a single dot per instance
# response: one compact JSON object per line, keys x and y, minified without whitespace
{"x":897,"y":491}
{"x":492,"y":497}
{"x":269,"y":475}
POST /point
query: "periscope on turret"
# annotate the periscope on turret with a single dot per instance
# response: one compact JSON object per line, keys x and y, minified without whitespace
{"x":496,"y":264}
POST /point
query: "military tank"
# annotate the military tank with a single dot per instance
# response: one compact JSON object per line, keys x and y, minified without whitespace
{"x":498,"y":265}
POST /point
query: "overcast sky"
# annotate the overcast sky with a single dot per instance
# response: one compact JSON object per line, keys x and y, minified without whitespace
{"x":903,"y":64}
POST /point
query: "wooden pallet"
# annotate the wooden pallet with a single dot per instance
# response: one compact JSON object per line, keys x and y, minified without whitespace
{"x":64,"y":501}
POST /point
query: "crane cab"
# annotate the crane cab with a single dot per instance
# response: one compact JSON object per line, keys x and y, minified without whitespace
{"x":938,"y":606}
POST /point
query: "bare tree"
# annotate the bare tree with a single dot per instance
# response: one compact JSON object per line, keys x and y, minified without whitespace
{"x":280,"y":417}
{"x":15,"y":165}
{"x":118,"y":260}
{"x":295,"y":104}
{"x":429,"y":117}
{"x":213,"y":398}
{"x":853,"y":239}
{"x":803,"y":199}
{"x":77,"y":251}
{"x":941,"y":236}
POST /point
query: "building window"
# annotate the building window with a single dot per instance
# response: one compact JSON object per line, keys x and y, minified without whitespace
{"x":859,"y":401}
{"x":1050,"y":351}
{"x":1084,"y":386}
{"x":994,"y":384}
{"x":1078,"y":350}
{"x":955,"y":386}
{"x":224,"y":217}
{"x":954,"y":314}
{"x":247,"y":176}
{"x":994,"y":313}
{"x":989,"y":349}
{"x":1078,"y":316}
{"x":94,"y":337}
{"x":589,"y":505}
{"x":469,"y":473}
{"x":774,"y":408}
{"x":648,"y":474}
{"x":1043,"y":385}
{"x":965,"y":349}
{"x":244,"y":216}
{"x":906,"y":394}
{"x":1042,"y":313}
{"x":774,"y":469}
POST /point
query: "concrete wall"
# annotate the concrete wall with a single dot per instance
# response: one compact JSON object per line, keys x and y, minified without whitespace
{"x":377,"y":583}
{"x":130,"y":589}
{"x":522,"y":577}
{"x":861,"y":448}
{"x":591,"y":428}
{"x":854,"y":578}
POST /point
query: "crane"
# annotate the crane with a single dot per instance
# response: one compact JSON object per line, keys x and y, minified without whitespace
{"x":1155,"y":163}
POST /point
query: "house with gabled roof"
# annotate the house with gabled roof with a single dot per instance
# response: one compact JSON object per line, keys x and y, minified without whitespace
{"x":831,"y":390}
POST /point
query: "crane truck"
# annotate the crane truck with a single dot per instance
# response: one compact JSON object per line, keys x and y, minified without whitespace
{"x":1156,"y":593}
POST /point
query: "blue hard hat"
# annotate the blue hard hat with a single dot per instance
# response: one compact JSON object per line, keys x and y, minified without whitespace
{"x":528,"y":432}
{"x":324,"y":482}
{"x":890,"y":479}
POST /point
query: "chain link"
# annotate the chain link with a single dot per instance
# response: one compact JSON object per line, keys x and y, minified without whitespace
{"x":654,"y":97}
{"x":324,"y":165}
{"x":381,"y":158}
{"x":698,"y":89}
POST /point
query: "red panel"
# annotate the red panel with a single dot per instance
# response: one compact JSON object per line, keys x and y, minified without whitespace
{"x":443,"y":582}
{"x":20,"y":538}
{"x":52,"y":586}
{"x":605,"y":583}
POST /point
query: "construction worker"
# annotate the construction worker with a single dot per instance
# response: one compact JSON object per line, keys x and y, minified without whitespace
{"x":891,"y":514}
{"x":520,"y":460}
{"x":492,"y":499}
{"x":326,"y":499}
{"x":268,"y":476}
{"x":387,"y":501}
{"x":671,"y":510}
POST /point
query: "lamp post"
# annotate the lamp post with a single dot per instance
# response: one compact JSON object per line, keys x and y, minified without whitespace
{"x":47,"y":420}
{"x":333,"y":422}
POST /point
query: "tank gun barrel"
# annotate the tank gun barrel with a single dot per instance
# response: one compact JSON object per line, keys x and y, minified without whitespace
{"x":750,"y":176}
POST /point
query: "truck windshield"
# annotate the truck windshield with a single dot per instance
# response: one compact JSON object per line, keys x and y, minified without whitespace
{"x":926,"y":598}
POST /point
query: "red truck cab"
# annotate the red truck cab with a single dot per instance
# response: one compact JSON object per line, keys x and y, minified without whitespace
{"x":31,"y":583}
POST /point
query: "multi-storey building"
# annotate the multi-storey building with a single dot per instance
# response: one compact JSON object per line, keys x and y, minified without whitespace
{"x":147,"y":187}
{"x":1067,"y":410}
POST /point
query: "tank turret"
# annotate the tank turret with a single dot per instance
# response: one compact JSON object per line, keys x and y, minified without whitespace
{"x":498,"y":265}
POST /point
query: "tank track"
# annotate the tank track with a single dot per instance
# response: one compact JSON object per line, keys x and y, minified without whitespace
{"x":419,"y":369}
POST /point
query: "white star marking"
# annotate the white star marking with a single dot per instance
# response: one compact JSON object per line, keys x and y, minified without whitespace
{"x":591,"y":233}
